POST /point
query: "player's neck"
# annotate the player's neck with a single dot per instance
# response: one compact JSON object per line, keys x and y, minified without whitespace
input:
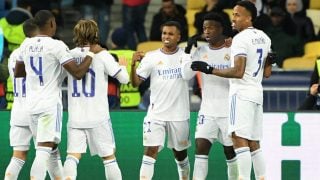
{"x":217,"y":43}
{"x":169,"y":50}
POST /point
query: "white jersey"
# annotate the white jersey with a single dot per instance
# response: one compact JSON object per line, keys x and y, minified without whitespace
{"x":88,"y":98}
{"x":43,"y":58}
{"x":253,"y":44}
{"x":214,"y":89}
{"x":19,"y":115}
{"x":169,"y":99}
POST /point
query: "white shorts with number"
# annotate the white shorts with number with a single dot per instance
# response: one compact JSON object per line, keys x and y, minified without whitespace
{"x":47,"y":126}
{"x":245,"y":119}
{"x":20,"y":137}
{"x":213,"y":128}
{"x":99,"y":139}
{"x":154,"y":133}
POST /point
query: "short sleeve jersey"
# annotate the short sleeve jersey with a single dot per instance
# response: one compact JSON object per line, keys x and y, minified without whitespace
{"x":19,"y":114}
{"x":253,"y":44}
{"x":169,"y":99}
{"x":215,"y":89}
{"x":43,"y":58}
{"x":88,"y":97}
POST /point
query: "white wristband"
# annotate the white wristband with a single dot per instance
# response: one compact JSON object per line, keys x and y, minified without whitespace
{"x":91,"y":54}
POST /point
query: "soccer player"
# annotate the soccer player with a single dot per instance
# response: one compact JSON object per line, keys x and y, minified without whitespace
{"x":212,"y":123}
{"x":89,"y":120}
{"x":20,"y":132}
{"x":41,"y":59}
{"x":249,"y":63}
{"x":168,"y":111}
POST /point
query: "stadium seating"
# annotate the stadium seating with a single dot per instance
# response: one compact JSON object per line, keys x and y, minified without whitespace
{"x":314,"y":4}
{"x":298,"y":63}
{"x":193,"y":6}
{"x":149,"y":46}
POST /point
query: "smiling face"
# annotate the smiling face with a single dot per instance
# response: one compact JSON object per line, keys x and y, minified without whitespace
{"x":170,"y":36}
{"x":241,"y":18}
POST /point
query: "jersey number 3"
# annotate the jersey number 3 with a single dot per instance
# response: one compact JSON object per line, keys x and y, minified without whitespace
{"x":259,"y":51}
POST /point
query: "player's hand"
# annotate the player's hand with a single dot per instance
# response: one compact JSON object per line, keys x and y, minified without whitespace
{"x":228,"y":42}
{"x":192,"y":41}
{"x":201,"y":66}
{"x":95,"y":48}
{"x":272,"y":57}
{"x":123,"y":61}
{"x":136,"y":57}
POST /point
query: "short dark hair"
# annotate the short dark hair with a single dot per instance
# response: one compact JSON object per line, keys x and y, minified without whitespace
{"x":29,"y":27}
{"x":42,"y":17}
{"x":249,"y":6}
{"x":214,"y":17}
{"x":172,"y":23}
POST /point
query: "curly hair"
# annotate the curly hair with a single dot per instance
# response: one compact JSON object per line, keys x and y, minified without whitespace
{"x":86,"y":32}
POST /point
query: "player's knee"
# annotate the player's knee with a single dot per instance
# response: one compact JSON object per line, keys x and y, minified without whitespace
{"x":151,"y":151}
{"x":202,"y":146}
{"x":20,"y":154}
{"x":229,"y":152}
{"x":109,"y":157}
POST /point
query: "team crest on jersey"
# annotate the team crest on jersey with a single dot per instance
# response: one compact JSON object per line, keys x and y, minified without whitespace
{"x":227,"y":57}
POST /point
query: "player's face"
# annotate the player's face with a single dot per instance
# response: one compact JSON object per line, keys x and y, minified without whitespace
{"x":212,"y":30}
{"x":170,"y":36}
{"x":241,"y":18}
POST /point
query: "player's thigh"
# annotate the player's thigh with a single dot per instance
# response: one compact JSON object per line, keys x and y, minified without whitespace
{"x":241,"y":118}
{"x":179,"y":134}
{"x":223,"y":137}
{"x":154,"y":132}
{"x":77,"y":140}
{"x":50,"y":125}
{"x":206,"y":128}
{"x":20,"y":137}
{"x":101,"y":140}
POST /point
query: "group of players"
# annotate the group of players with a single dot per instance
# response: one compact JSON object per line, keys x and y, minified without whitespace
{"x":41,"y":63}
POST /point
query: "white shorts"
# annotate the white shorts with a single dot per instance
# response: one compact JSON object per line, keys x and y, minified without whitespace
{"x":100,"y":140}
{"x":245,"y":119}
{"x":154,"y":133}
{"x":20,"y":137}
{"x":213,"y":128}
{"x":47,"y":126}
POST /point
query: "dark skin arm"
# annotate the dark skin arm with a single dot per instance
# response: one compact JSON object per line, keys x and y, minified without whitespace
{"x":78,"y":71}
{"x":19,"y":69}
{"x":234,"y":72}
{"x":267,"y":68}
{"x":136,"y":57}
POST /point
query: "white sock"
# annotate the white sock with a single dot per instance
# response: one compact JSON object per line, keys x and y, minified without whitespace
{"x":40,"y":164}
{"x":147,"y":168}
{"x":13,"y":169}
{"x":70,"y":168}
{"x":232,"y":169}
{"x":183,"y":169}
{"x":200,"y":170}
{"x":244,"y":162}
{"x":55,"y":168}
{"x":258,"y":164}
{"x":112,"y":170}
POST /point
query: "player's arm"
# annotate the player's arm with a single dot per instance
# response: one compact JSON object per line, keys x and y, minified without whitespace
{"x":19,"y":69}
{"x":234,"y":72}
{"x":78,"y":71}
{"x":123,"y":76}
{"x":270,"y":59}
{"x":135,"y":79}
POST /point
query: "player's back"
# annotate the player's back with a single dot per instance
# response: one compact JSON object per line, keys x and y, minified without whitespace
{"x":19,"y":115}
{"x":43,"y":58}
{"x":88,"y":97}
{"x":254,"y":44}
